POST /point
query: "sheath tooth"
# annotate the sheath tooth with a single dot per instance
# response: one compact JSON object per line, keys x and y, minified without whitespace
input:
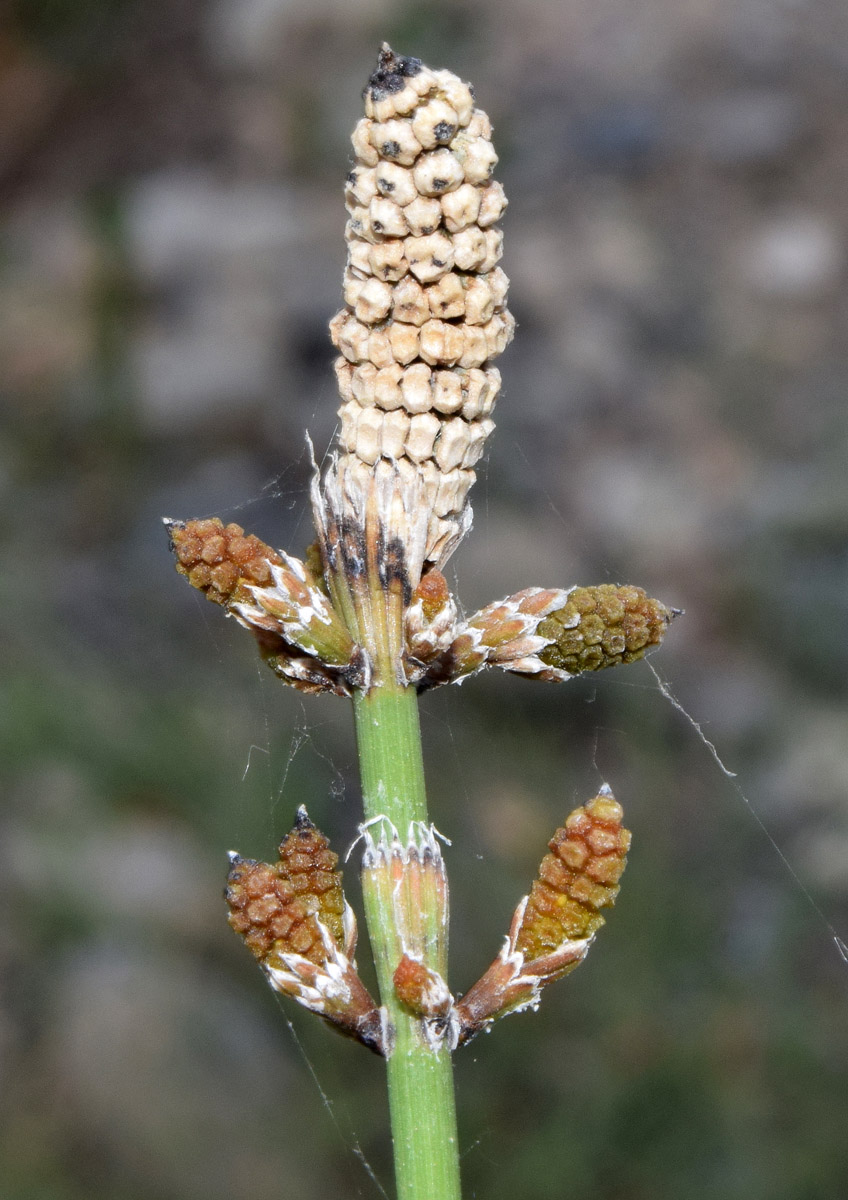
{"x":409,"y":474}
{"x":432,"y":476}
{"x":441,"y":534}
{"x":451,"y":496}
{"x":450,"y":489}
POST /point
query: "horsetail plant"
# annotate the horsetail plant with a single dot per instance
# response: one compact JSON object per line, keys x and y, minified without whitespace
{"x":368,"y":614}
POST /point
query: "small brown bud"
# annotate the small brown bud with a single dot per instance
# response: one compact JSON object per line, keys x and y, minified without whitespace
{"x":411,"y":980}
{"x":220,"y":559}
{"x":294,"y":919}
{"x":277,"y":598}
{"x":276,"y":908}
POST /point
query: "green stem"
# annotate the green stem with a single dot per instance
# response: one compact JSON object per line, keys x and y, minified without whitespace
{"x":421,"y":1098}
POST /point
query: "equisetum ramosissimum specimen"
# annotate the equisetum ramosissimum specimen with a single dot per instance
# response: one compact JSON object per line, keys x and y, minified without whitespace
{"x":366,"y":613}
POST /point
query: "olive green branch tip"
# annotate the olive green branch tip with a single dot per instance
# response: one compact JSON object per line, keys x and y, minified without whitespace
{"x":554,"y":926}
{"x":544,"y":633}
{"x":603,"y":626}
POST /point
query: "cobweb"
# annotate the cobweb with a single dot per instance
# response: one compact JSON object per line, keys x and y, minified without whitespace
{"x":303,"y":739}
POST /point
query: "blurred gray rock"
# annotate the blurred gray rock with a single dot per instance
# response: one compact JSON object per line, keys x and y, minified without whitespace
{"x":746,"y":126}
{"x":144,"y":871}
{"x":796,"y":256}
{"x":244,"y":33}
{"x":189,"y":221}
{"x":211,"y":254}
{"x":184,"y":1087}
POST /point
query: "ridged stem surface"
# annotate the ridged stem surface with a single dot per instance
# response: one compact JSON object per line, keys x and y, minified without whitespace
{"x":420,"y":1081}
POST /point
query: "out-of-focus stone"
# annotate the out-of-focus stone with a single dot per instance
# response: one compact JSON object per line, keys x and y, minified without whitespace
{"x":212,"y":254}
{"x":797,"y":256}
{"x":747,"y":126}
{"x":188,"y":221}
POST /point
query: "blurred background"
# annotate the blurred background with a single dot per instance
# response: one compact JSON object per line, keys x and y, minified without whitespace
{"x":673,"y":415}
